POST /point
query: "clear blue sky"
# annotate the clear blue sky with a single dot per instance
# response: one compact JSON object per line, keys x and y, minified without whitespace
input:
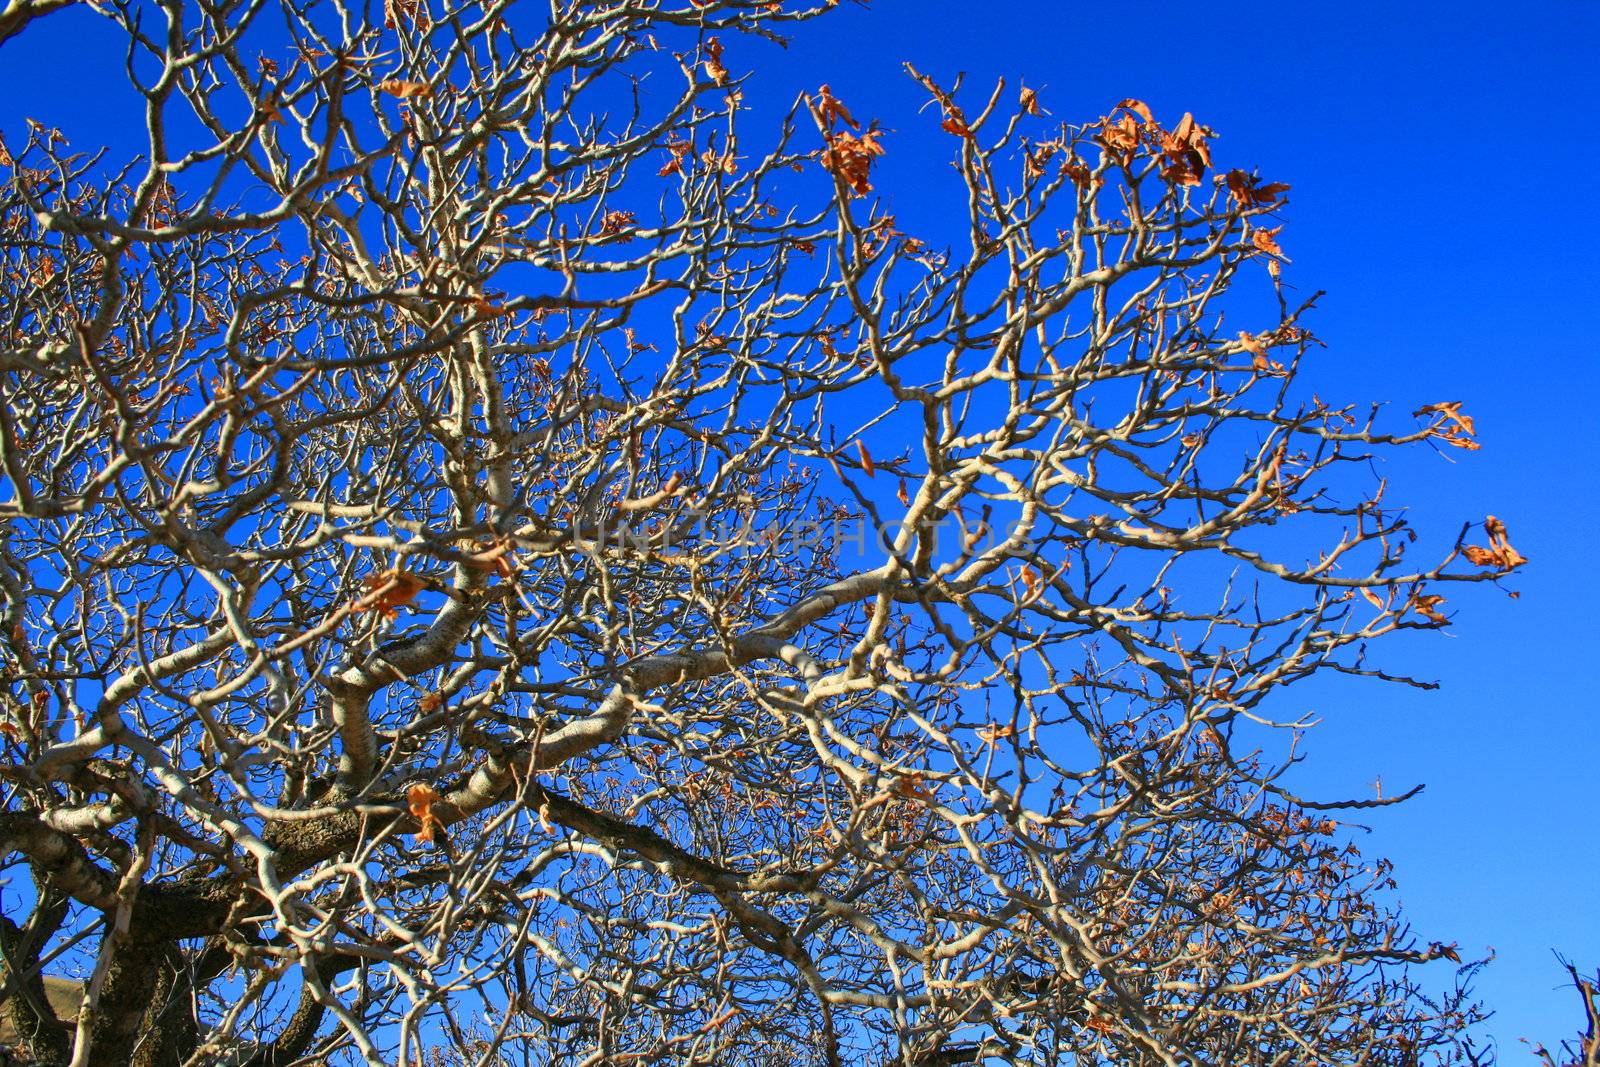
{"x":1443,"y":163}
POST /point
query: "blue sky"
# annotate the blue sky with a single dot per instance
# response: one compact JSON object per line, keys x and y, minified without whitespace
{"x":1444,"y":195}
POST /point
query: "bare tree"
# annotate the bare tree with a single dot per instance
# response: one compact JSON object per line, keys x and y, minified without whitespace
{"x":1584,"y":1050}
{"x":507,"y":559}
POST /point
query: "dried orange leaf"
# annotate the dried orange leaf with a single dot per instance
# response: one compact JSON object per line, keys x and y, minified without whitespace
{"x":911,"y":785}
{"x":1121,"y":138}
{"x":1267,"y":241}
{"x":1080,"y":173}
{"x":1185,"y":152}
{"x":1499,"y":553}
{"x":1030,"y":578}
{"x":1451,"y":426}
{"x":849,"y":158}
{"x":680,"y":150}
{"x":866,"y":459}
{"x":405,"y":90}
{"x":1258,"y":352}
{"x":617,"y":224}
{"x":713,"y":62}
{"x":995,"y":733}
{"x":1139,"y":106}
{"x":1248,"y":191}
{"x":830,"y":109}
{"x":386,"y":592}
{"x":1427,"y":607}
{"x":954,"y":123}
{"x":420,"y":799}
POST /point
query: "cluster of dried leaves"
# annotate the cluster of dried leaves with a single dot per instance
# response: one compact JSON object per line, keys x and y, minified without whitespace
{"x":1499,"y":554}
{"x":851,"y":151}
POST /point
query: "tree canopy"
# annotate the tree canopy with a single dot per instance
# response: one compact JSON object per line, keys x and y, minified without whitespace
{"x":511,"y":555}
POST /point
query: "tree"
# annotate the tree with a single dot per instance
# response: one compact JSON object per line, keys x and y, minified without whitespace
{"x":500,"y":558}
{"x":1584,"y":1050}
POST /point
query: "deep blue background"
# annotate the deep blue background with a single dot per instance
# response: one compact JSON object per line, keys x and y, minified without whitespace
{"x":1443,"y":158}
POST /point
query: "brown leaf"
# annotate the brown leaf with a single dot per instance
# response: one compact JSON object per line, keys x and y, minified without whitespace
{"x":1033,"y":161}
{"x":1451,"y":426}
{"x":995,"y":733}
{"x":1450,"y":410}
{"x":1266,"y":240}
{"x":1029,"y":101}
{"x":1120,"y":138}
{"x":713,"y":62}
{"x":954,"y":123}
{"x":420,"y":799}
{"x":1248,"y":191}
{"x":405,"y":90}
{"x":386,"y":592}
{"x":1258,"y":354}
{"x":1183,"y":171}
{"x":1136,"y":105}
{"x":1185,"y":152}
{"x":1080,"y":173}
{"x":911,"y":785}
{"x":849,"y":158}
{"x":1427,"y":607}
{"x":680,"y":150}
{"x":404,"y":12}
{"x":830,"y":109}
{"x":726,"y":162}
{"x":617,"y":223}
{"x":1030,"y":579}
{"x":866,"y":459}
{"x":1499,"y":553}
